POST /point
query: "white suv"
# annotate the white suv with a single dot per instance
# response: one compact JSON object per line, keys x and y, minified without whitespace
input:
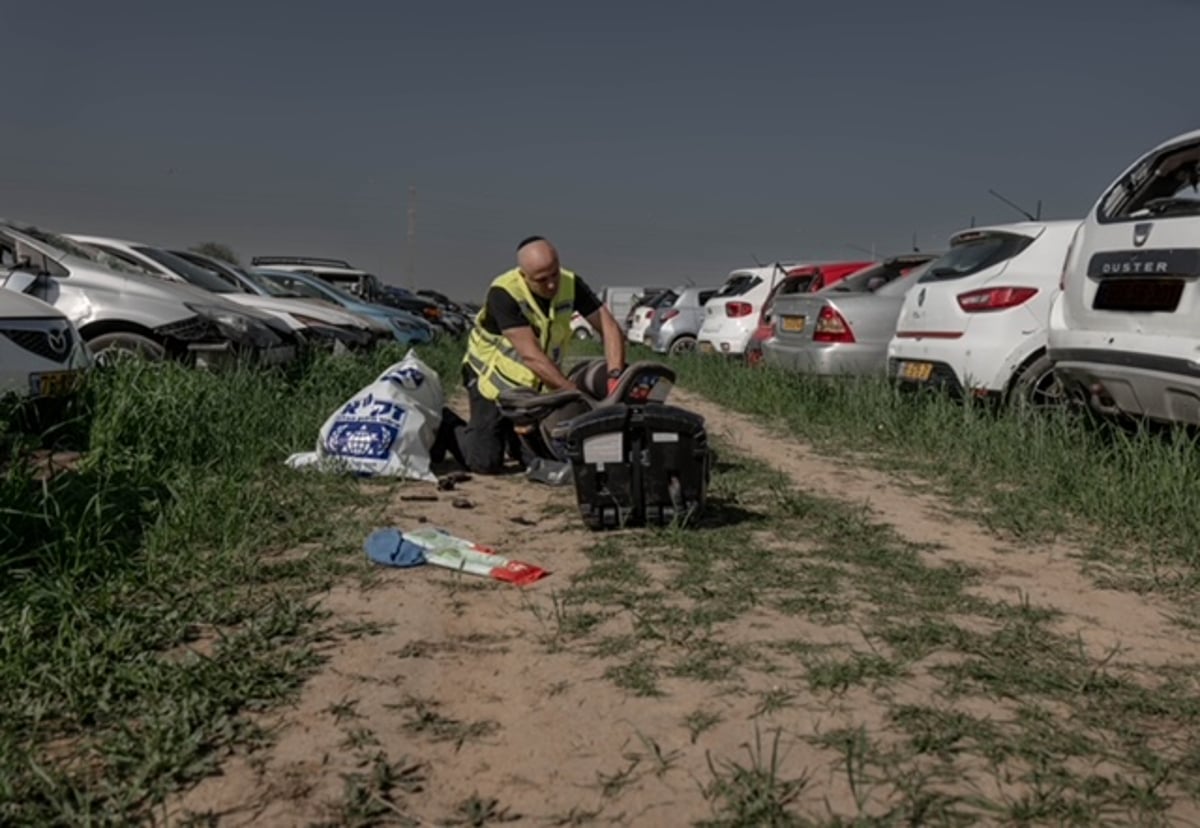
{"x":975,"y":322}
{"x":1125,"y":333}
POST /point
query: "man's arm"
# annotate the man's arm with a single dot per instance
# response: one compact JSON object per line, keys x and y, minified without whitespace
{"x":593,"y":310}
{"x":613,"y":336}
{"x":535,"y":358}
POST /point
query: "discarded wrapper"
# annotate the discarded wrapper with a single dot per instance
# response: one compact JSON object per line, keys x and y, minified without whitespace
{"x":391,"y":547}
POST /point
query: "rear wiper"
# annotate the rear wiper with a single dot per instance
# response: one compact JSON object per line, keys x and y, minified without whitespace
{"x":1171,"y":204}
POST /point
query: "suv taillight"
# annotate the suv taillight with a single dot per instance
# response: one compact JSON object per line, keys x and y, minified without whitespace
{"x":670,"y":313}
{"x":994,"y":299}
{"x":832,"y":327}
{"x":736,"y":309}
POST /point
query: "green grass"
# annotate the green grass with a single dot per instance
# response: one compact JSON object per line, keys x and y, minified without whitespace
{"x":756,"y":793}
{"x":1033,"y":476}
{"x":1074,"y":738}
{"x":147,"y":610}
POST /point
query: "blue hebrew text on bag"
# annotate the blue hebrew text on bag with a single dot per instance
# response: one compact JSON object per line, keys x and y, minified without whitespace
{"x":369,"y":408}
{"x":405,"y":378}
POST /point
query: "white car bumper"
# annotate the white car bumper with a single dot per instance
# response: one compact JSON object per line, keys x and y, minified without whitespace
{"x":729,"y":341}
{"x":1133,"y":374}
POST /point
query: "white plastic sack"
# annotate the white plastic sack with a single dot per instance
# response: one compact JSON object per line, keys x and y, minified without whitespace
{"x":386,"y":429}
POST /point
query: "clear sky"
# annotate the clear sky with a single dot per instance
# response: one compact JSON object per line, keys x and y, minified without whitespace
{"x":653,"y":142}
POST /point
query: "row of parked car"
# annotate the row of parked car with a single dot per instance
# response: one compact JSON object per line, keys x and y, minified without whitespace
{"x":1103,"y":310}
{"x":72,"y":299}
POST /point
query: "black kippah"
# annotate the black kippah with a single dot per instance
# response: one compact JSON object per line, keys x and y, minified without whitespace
{"x":530,"y":240}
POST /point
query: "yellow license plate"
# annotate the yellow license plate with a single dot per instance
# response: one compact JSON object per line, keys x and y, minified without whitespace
{"x":792,"y":324}
{"x":918,"y":371}
{"x":706,"y":347}
{"x":53,"y":383}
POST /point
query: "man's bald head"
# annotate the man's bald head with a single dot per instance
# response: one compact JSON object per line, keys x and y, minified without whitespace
{"x":538,"y":262}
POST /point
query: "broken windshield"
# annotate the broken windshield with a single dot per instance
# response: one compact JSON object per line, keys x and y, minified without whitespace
{"x":1165,"y":185}
{"x":193,"y":274}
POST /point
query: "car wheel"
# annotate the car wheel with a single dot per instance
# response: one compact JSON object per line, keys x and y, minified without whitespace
{"x":682,"y":345}
{"x":1037,"y":387}
{"x":112,"y":347}
{"x":583,"y":333}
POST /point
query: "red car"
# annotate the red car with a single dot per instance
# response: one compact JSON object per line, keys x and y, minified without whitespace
{"x":806,"y":279}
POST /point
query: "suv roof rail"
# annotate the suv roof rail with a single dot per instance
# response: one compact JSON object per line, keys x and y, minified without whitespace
{"x":301,"y":260}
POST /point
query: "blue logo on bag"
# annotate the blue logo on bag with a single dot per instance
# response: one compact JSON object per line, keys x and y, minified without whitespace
{"x":359,"y":439}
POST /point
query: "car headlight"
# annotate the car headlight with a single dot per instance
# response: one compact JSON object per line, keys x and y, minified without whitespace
{"x":237,"y":327}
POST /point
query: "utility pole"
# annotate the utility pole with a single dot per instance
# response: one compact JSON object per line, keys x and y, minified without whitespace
{"x":412,"y":236}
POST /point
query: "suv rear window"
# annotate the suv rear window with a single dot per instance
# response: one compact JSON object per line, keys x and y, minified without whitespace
{"x":973,"y":253}
{"x":1167,"y":184}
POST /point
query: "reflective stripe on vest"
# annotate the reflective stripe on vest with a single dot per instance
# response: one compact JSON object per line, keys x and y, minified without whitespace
{"x":492,"y":356}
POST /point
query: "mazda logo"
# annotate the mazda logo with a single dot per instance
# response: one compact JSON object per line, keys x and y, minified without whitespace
{"x":57,"y":340}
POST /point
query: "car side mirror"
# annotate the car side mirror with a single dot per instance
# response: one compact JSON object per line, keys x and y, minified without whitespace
{"x":23,"y":280}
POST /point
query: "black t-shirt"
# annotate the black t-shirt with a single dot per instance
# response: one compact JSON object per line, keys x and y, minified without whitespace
{"x":503,"y":312}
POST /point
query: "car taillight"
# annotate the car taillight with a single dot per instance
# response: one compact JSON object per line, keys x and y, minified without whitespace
{"x":993,"y":299}
{"x":832,"y":327}
{"x":649,"y":313}
{"x":736,"y":309}
{"x":669,"y":314}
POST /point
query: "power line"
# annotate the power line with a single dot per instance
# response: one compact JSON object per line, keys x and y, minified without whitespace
{"x":412,"y":236}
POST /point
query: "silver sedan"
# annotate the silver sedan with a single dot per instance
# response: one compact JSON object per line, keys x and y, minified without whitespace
{"x":844,"y":329}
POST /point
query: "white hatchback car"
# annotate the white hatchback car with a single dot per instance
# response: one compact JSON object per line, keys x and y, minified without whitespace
{"x":41,"y":353}
{"x":975,"y":322}
{"x":1125,"y":332}
{"x":731,"y":316}
{"x":642,"y":315}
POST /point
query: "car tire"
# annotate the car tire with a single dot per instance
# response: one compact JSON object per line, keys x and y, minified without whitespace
{"x":682,"y":345}
{"x":1036,"y":388}
{"x":110,"y":347}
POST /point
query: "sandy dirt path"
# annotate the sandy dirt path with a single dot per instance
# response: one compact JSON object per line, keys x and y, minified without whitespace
{"x":465,"y":697}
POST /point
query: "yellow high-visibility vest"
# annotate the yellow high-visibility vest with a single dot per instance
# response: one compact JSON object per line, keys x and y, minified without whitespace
{"x":494,"y":359}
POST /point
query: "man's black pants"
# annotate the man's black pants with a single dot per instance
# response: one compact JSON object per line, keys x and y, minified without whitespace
{"x":489,"y":435}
